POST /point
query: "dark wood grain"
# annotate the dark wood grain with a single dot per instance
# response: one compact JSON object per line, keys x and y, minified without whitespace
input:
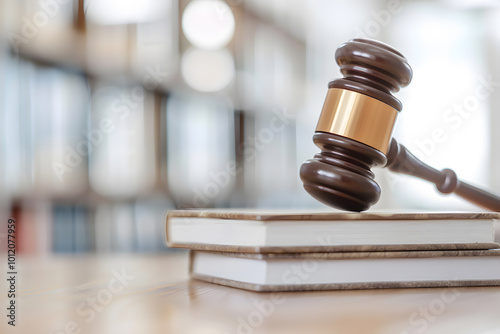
{"x":340,"y":175}
{"x":400,"y":160}
{"x":372,"y":68}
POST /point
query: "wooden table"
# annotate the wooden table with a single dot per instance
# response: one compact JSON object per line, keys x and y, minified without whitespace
{"x":152,"y":294}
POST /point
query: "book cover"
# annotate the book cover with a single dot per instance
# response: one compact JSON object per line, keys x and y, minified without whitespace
{"x":345,"y":271}
{"x":328,"y":231}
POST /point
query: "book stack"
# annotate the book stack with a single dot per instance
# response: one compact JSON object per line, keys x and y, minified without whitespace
{"x":291,"y":251}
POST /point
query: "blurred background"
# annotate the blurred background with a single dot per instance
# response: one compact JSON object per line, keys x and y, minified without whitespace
{"x":114,"y":111}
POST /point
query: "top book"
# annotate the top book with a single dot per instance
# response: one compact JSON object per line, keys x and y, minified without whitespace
{"x":252,"y":231}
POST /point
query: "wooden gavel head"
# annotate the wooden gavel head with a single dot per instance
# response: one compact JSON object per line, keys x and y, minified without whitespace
{"x":355,"y":127}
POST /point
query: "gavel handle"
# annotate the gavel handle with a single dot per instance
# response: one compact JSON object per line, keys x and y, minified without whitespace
{"x":400,"y":160}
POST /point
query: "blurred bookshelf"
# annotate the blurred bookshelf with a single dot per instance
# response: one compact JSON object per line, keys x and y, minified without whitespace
{"x":113,"y":112}
{"x":108,"y":123}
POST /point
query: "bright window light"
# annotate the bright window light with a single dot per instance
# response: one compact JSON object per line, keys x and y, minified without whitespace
{"x":207,"y":71}
{"x":444,"y":115}
{"x":208,"y":24}
{"x":126,"y":11}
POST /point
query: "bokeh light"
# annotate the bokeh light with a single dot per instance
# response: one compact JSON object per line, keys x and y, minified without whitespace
{"x":207,"y":71}
{"x":208,"y":24}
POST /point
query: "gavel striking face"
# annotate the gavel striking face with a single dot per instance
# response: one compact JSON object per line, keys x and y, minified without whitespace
{"x":354,"y":133}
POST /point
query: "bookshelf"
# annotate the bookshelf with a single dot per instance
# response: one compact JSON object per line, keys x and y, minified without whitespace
{"x":102,"y":132}
{"x":67,"y":80}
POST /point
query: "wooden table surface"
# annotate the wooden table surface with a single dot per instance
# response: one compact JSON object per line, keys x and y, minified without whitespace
{"x":152,"y":294}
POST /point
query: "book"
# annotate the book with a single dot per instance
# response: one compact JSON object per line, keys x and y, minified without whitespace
{"x":357,"y":270}
{"x":297,"y":232}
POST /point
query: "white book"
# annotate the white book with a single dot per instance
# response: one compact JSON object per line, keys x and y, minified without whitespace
{"x":358,"y":270}
{"x":286,"y":231}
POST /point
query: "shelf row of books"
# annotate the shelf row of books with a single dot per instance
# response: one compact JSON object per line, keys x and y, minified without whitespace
{"x":46,"y":227}
{"x":63,"y":134}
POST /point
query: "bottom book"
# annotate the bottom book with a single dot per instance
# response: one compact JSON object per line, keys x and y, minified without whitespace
{"x":337,"y":271}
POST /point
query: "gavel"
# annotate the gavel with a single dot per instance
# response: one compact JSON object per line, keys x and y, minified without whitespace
{"x":354,"y":133}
